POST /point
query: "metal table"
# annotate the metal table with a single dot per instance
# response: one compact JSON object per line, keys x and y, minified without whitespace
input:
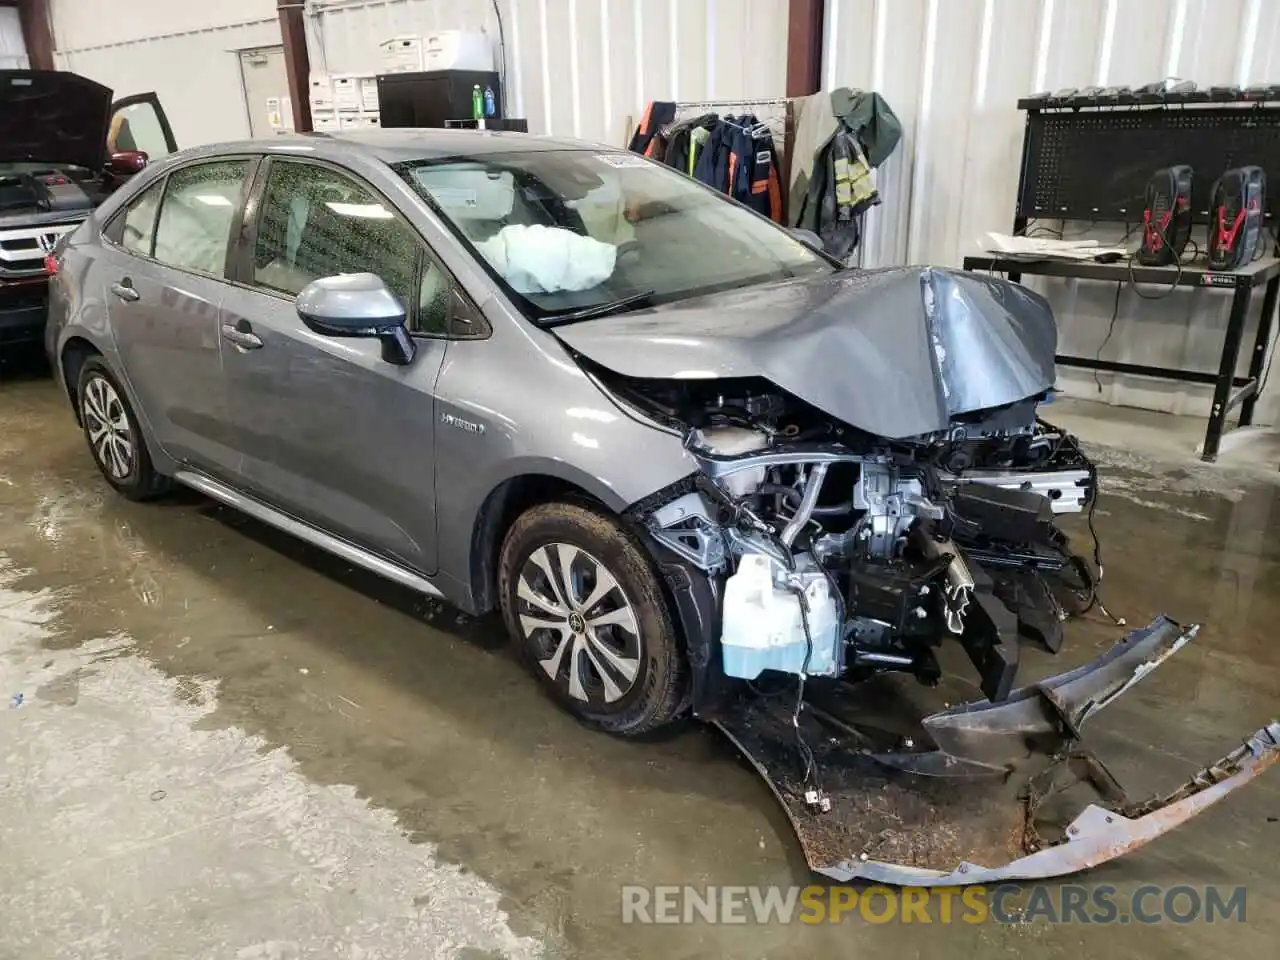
{"x":1229,"y":390}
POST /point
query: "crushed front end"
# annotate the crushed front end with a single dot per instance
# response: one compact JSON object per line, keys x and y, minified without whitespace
{"x":821,"y":571}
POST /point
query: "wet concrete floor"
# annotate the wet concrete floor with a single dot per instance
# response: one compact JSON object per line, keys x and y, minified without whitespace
{"x":415,"y":744}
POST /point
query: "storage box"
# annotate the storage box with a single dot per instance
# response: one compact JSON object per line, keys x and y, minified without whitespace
{"x":346,"y":93}
{"x":369,"y":94}
{"x":325,"y":121}
{"x":457,"y":50}
{"x":321,"y":94}
{"x":357,"y":121}
{"x":401,"y":54}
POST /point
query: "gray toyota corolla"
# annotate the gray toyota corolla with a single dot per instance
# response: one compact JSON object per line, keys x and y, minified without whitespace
{"x":696,"y":464}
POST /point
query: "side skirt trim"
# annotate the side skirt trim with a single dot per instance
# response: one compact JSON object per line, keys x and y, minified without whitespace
{"x":304,"y":531}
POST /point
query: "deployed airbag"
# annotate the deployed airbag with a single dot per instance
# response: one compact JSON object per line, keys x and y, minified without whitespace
{"x":538,"y":259}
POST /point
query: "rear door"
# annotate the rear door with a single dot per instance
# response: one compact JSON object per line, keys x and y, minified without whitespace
{"x":329,"y":431}
{"x":164,"y":267}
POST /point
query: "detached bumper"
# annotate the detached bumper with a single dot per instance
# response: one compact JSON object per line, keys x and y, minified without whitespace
{"x":996,"y":795}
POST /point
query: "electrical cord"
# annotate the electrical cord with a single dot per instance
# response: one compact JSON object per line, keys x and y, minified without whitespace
{"x":1115,"y":312}
{"x":502,"y":58}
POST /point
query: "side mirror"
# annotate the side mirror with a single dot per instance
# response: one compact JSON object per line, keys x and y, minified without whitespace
{"x":125,"y":163}
{"x":808,"y":238}
{"x":357,"y":305}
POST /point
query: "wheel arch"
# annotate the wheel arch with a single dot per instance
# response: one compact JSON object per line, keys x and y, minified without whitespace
{"x":500,"y":509}
{"x":71,"y":360}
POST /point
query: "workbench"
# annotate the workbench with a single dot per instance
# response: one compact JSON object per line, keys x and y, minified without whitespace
{"x":1229,"y":390}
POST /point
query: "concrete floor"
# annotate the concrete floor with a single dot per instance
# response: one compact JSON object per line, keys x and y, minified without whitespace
{"x":232,"y":746}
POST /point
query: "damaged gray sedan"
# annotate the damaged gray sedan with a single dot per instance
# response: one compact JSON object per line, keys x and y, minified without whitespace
{"x":697,"y":466}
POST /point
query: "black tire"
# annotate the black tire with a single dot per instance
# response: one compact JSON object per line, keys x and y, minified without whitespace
{"x":593,"y":542}
{"x":128,"y":470}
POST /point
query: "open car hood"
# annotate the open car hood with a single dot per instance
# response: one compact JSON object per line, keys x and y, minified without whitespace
{"x":896,"y":352}
{"x":53,"y":117}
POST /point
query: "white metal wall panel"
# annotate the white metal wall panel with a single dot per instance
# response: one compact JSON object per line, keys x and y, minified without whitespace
{"x":13,"y":50}
{"x":196,"y":75}
{"x":582,"y":67}
{"x":953,"y":71}
{"x":80,"y":24}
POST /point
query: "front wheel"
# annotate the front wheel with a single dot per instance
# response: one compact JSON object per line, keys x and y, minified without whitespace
{"x":585,"y":607}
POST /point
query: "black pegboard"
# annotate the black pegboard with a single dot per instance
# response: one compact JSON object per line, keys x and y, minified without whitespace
{"x":1095,"y":164}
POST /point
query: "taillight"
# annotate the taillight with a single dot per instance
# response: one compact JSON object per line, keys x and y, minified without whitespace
{"x":51,"y":264}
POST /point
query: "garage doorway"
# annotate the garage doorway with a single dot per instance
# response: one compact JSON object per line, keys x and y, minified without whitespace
{"x":265,"y":88}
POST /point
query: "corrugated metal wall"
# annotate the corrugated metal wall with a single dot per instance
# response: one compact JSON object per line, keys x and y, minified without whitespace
{"x":953,"y":71}
{"x":13,"y":51}
{"x":185,"y":52}
{"x":582,"y":67}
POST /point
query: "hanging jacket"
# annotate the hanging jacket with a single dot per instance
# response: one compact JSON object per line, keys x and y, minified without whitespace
{"x":841,"y":189}
{"x":646,"y":139}
{"x":754,"y":173}
{"x":686,"y":140}
{"x":712,"y":167}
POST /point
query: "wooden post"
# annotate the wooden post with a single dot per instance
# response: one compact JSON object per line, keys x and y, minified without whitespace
{"x":804,"y":47}
{"x":297,"y":63}
{"x":37,"y":34}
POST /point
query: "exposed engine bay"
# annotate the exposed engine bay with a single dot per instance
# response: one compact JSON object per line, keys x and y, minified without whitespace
{"x":846,"y":553}
{"x":874,"y":493}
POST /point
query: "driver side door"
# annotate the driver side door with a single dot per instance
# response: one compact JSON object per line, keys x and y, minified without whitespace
{"x":329,"y":431}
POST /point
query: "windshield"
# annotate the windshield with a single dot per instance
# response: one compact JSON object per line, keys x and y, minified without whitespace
{"x":578,"y":233}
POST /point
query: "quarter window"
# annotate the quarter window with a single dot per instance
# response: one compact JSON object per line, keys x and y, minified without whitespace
{"x":140,"y":221}
{"x":199,"y":205}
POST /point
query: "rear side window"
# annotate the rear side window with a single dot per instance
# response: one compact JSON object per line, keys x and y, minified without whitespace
{"x":194,"y":227}
{"x":139,"y":221}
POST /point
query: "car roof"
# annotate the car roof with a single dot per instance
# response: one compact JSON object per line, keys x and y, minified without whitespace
{"x":412,"y":143}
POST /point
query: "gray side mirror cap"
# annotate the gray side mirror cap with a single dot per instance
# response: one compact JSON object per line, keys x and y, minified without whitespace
{"x":357,"y":305}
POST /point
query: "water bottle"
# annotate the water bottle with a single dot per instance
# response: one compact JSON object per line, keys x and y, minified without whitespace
{"x":490,"y":104}
{"x":477,"y":103}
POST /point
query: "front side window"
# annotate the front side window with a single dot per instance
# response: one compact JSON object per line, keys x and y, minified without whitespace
{"x":194,"y":227}
{"x":316,"y":222}
{"x":140,"y":220}
{"x":571,"y":230}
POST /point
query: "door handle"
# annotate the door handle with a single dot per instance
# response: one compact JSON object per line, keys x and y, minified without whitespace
{"x":124,"y":290}
{"x":244,"y":339}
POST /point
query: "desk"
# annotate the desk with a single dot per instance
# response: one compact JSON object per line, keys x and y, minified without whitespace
{"x":1229,"y":390}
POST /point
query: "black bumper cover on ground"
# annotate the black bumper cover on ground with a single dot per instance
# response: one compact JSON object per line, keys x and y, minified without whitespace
{"x":985,"y":802}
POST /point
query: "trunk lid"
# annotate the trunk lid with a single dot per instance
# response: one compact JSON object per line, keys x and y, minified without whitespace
{"x":897,"y":352}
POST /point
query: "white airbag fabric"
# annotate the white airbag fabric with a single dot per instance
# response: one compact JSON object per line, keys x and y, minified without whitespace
{"x":538,"y":259}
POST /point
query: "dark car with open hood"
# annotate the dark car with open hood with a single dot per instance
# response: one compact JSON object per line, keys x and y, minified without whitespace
{"x":64,"y":147}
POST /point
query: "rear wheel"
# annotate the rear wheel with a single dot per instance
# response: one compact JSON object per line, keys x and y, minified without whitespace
{"x":114,"y":438}
{"x":585,"y":607}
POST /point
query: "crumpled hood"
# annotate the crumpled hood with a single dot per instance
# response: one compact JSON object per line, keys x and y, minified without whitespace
{"x":896,"y":352}
{"x":51,"y":116}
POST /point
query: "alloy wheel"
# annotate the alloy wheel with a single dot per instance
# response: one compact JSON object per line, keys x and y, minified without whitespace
{"x":578,"y":623}
{"x":108,"y":429}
